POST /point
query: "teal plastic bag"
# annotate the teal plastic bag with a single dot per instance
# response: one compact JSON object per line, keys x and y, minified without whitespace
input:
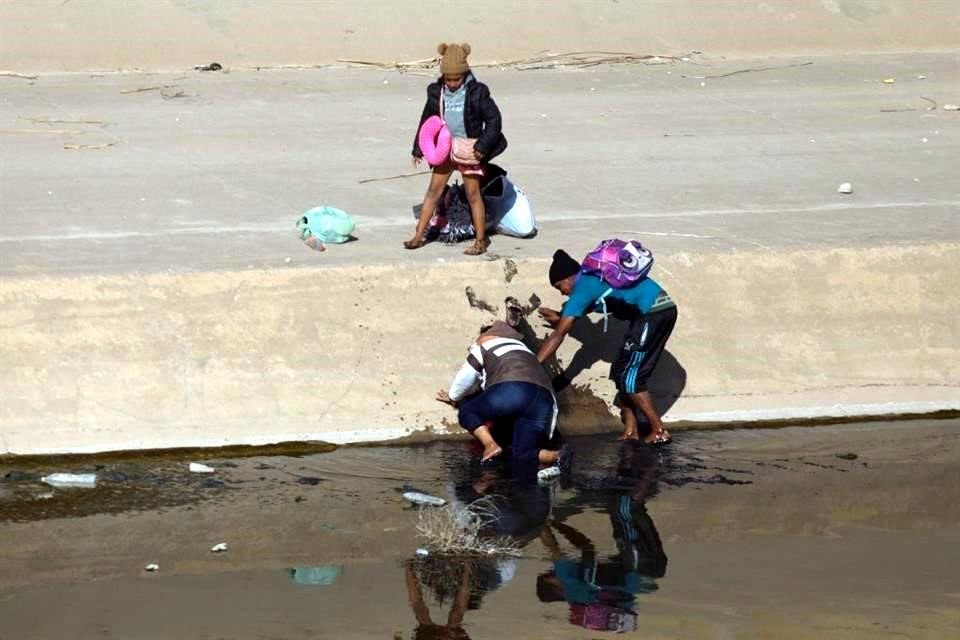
{"x":323,"y":575}
{"x":326,"y":224}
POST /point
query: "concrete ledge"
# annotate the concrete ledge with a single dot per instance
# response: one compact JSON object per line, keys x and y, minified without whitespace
{"x":341,"y":354}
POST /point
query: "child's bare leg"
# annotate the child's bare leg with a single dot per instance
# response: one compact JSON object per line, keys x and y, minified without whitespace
{"x":490,"y":447}
{"x":629,"y":420}
{"x":438,"y":180}
{"x":644,"y":402}
{"x":478,"y":213}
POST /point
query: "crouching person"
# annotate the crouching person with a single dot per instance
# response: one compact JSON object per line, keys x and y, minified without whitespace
{"x":513,"y":387}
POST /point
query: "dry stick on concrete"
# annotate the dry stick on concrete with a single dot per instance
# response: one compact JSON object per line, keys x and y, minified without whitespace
{"x":413,"y":64}
{"x":80,"y":147}
{"x":931,"y":101}
{"x":750,"y":70}
{"x":14,"y":74}
{"x":399,"y":175}
{"x":584,"y":59}
{"x":48,"y":121}
{"x":68,"y":132}
{"x":543,"y":61}
{"x":159,"y":87}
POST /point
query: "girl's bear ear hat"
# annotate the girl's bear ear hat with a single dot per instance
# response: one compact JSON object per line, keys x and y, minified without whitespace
{"x":453,"y":58}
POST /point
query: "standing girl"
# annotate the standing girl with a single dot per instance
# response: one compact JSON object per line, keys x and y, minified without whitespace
{"x":472,"y":116}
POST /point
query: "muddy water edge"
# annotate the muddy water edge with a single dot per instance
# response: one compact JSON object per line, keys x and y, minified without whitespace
{"x":847,"y":531}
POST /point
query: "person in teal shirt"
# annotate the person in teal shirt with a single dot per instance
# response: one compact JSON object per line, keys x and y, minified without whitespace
{"x":652,"y":315}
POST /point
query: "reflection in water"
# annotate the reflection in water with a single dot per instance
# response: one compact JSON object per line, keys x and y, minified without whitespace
{"x":459,"y":583}
{"x":601,"y":593}
{"x":324,"y":575}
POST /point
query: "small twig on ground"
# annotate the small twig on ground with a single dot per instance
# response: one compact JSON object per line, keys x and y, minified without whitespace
{"x":412,"y":64}
{"x":69,"y":132}
{"x":931,"y":101}
{"x":546,"y":60}
{"x":81,"y":147}
{"x":750,"y":70}
{"x":48,"y":121}
{"x":159,"y":87}
{"x":897,"y":110}
{"x":14,"y":74}
{"x":399,"y":175}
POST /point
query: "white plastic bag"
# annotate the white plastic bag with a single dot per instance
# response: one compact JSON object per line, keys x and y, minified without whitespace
{"x":519,"y":220}
{"x":86,"y":480}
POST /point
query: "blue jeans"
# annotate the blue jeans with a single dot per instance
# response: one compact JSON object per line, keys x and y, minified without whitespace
{"x":531,"y":408}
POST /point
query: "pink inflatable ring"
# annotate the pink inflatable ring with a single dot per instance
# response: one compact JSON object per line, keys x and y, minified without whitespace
{"x":435,"y":140}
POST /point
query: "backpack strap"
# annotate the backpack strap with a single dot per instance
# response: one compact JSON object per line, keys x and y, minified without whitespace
{"x":603,"y":303}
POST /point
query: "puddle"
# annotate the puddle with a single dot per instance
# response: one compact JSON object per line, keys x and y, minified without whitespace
{"x":838,"y":532}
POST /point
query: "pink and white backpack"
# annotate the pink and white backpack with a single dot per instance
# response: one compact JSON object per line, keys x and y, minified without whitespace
{"x":619,"y":263}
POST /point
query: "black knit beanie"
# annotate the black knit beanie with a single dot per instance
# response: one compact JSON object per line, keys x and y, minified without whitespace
{"x":563,"y":266}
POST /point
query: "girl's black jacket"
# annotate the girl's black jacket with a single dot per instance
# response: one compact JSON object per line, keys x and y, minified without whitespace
{"x":481,"y":117}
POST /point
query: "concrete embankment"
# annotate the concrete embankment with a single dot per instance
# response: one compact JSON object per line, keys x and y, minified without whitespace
{"x":153,"y":293}
{"x":347,"y":354}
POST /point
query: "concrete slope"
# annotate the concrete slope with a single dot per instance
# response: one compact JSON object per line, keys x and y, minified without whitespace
{"x":148,"y":299}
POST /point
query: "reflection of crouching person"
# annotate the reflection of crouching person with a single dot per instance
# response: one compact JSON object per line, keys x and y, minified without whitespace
{"x":515,"y":388}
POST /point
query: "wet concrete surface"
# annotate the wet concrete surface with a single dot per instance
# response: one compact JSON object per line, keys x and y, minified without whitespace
{"x":839,"y":532}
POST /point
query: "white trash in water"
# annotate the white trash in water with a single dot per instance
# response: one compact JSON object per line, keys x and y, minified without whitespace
{"x":548,"y":473}
{"x":196,"y":467}
{"x":220,"y":547}
{"x":846,"y":187}
{"x":86,"y":480}
{"x":421,"y":498}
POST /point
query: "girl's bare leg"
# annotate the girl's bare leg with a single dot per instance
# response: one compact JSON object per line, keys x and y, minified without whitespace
{"x":478,"y":213}
{"x":438,"y":180}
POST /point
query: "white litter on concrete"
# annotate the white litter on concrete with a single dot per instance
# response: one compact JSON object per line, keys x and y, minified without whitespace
{"x":220,"y":547}
{"x":845,"y":187}
{"x":196,"y":467}
{"x":951,"y":107}
{"x":421,"y":498}
{"x":85,"y":480}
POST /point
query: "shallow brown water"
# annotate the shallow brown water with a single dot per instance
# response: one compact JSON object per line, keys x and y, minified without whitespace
{"x":735,"y":534}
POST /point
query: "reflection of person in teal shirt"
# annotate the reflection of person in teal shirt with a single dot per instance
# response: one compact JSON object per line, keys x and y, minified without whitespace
{"x":652,"y":315}
{"x":602,"y":594}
